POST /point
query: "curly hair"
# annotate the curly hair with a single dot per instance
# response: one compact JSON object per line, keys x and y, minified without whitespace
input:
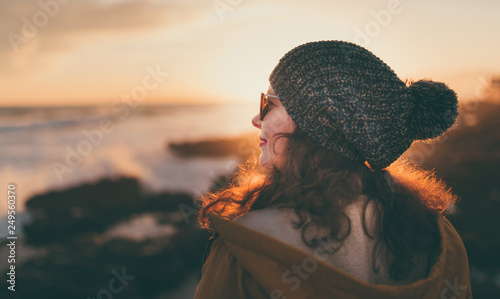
{"x":318,"y":184}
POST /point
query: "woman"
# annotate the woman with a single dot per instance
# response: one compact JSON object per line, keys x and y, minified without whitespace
{"x":332,"y":211}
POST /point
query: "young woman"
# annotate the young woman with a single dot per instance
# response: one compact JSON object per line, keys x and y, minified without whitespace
{"x":331,"y":210}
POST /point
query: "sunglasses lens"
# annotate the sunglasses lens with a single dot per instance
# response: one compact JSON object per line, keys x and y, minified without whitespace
{"x":263,"y":105}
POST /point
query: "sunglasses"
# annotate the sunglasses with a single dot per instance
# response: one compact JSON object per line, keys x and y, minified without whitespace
{"x":264,"y":104}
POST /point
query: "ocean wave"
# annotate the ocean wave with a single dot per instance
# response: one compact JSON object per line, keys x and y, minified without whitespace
{"x":33,"y":118}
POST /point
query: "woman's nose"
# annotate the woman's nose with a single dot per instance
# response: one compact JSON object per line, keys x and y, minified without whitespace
{"x":256,"y":121}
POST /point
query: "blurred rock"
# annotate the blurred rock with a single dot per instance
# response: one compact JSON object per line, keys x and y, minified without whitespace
{"x":61,"y":215}
{"x":243,"y":146}
{"x":77,"y":256}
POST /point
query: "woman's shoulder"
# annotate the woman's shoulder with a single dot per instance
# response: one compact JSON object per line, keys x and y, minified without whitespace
{"x":266,"y":219}
{"x":274,"y":222}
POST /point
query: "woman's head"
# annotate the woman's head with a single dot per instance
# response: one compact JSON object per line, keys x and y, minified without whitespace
{"x":340,"y":106}
{"x":350,"y":102}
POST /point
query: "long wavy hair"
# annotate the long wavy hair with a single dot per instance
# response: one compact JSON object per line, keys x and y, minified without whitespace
{"x":318,"y":184}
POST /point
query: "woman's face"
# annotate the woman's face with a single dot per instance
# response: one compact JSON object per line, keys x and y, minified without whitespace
{"x":276,"y":121}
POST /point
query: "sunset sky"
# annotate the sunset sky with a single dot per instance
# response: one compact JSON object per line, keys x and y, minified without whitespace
{"x":85,"y":52}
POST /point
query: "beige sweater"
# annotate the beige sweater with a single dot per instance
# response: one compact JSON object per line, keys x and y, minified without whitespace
{"x":355,"y":255}
{"x":244,"y":263}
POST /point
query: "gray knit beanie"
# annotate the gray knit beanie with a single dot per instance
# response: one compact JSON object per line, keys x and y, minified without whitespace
{"x":351,"y":103}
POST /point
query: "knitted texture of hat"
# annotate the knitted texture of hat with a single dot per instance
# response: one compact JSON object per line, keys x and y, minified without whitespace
{"x":351,"y":103}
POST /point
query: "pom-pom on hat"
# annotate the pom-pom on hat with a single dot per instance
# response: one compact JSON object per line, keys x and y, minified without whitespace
{"x":351,"y":103}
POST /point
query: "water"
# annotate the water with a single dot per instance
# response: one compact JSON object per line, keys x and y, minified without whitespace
{"x":43,"y":149}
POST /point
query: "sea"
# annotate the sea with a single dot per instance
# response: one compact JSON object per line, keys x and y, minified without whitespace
{"x":53,"y":148}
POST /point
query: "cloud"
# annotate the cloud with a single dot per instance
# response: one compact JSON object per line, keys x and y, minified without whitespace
{"x":31,"y":30}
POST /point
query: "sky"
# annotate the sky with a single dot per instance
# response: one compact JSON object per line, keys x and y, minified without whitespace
{"x":97,"y":52}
